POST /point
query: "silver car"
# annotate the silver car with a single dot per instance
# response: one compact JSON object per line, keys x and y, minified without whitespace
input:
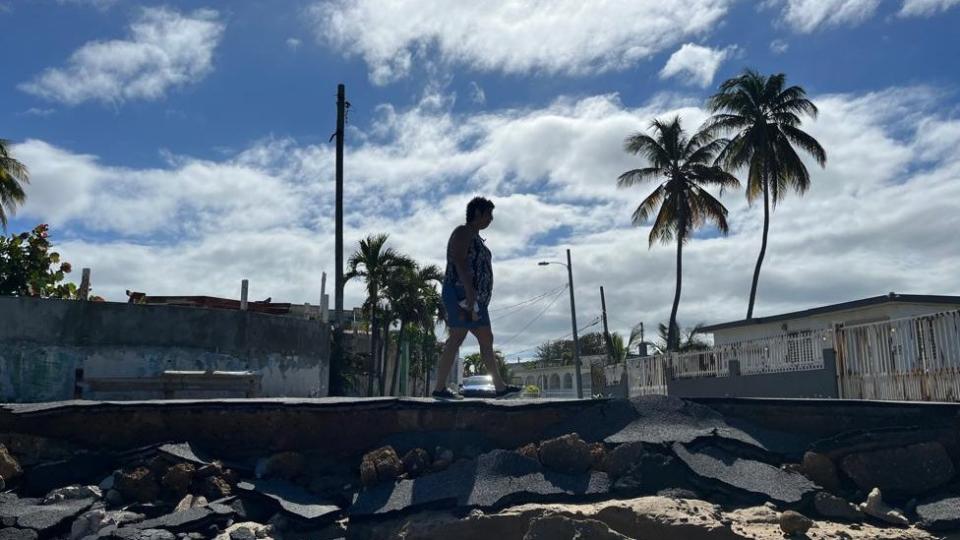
{"x":478,"y":386}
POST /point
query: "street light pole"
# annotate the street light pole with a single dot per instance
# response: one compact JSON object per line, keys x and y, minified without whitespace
{"x":573,"y":322}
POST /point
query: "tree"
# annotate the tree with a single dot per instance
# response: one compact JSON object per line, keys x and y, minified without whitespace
{"x":29,"y":268}
{"x":764,"y":120}
{"x":13,"y":175}
{"x":690,"y":339}
{"x":373,"y":262}
{"x":413,"y":299}
{"x":681,"y":202}
{"x":473,"y":365}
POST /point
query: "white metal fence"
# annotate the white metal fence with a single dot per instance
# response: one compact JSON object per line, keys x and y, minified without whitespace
{"x":916,"y":358}
{"x":780,"y":354}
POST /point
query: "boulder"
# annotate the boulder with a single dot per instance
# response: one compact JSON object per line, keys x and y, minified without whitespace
{"x":875,"y":507}
{"x":598,"y":455}
{"x":138,"y":485}
{"x":216,"y":487}
{"x":9,"y":466}
{"x":792,"y":522}
{"x":940,"y":514}
{"x":567,"y":453}
{"x":529,"y":450}
{"x":622,"y":459}
{"x":416,"y":462}
{"x":908,"y":470}
{"x":820,"y":468}
{"x":834,"y":507}
{"x":178,"y":478}
{"x":285,"y":465}
{"x":385,"y":462}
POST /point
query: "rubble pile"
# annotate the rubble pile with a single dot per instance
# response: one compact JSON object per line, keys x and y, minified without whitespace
{"x":647,"y":468}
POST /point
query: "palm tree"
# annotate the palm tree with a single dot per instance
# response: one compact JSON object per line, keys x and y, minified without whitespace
{"x":763,"y":117}
{"x":413,"y":299}
{"x":691,"y":341}
{"x":373,"y":262}
{"x":13,"y":175}
{"x":682,"y":204}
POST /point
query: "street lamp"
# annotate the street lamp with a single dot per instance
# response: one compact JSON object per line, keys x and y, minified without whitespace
{"x":573,"y":321}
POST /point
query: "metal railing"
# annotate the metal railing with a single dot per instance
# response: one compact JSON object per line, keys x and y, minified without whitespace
{"x":916,"y":358}
{"x":779,"y":354}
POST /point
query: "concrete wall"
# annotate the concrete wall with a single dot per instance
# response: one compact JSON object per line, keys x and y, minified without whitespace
{"x":882,"y":312}
{"x":818,"y":383}
{"x":44,"y":342}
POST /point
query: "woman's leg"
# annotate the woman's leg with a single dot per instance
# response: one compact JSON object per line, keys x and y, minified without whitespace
{"x":484,"y":337}
{"x":450,"y":349}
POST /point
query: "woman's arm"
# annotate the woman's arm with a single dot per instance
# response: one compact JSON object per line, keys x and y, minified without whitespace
{"x":459,"y":251}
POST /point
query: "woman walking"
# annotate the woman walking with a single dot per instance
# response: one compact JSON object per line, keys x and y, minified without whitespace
{"x":467,"y":287}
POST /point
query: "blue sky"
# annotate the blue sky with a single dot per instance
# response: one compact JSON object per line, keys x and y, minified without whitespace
{"x":179,"y":147}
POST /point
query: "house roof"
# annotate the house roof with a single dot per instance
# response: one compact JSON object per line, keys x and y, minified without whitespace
{"x":843,"y":306}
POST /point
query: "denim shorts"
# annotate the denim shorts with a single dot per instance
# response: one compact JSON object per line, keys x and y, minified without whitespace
{"x":457,"y":316}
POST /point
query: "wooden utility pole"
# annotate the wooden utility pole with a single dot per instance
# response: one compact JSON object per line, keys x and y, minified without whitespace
{"x":607,"y":342}
{"x":336,"y":362}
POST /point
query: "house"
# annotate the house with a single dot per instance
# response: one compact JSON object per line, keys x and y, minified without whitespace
{"x":875,"y":309}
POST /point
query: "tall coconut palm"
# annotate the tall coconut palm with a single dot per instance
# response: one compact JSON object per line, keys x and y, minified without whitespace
{"x":13,"y":175}
{"x":413,"y":300}
{"x":763,"y":117}
{"x":684,"y":166}
{"x":373,"y":262}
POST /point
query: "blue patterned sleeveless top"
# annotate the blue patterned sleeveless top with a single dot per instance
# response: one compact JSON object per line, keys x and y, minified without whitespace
{"x":479,"y":259}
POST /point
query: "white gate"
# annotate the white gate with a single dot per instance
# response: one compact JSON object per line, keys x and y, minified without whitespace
{"x":916,"y":359}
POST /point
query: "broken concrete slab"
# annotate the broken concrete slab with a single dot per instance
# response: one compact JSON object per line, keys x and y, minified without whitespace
{"x":185,"y":451}
{"x":749,"y":476}
{"x":43,"y":518}
{"x":13,"y":533}
{"x":82,"y":468}
{"x":188,"y":520}
{"x":292,"y":499}
{"x":494,"y":479}
{"x":940,"y":514}
{"x":9,"y":465}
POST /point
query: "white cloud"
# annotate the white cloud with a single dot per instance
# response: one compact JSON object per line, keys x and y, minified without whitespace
{"x":165,"y":49}
{"x":695,"y":64}
{"x":518,"y":36}
{"x":37,"y":111}
{"x":875,"y":220}
{"x":102,"y":5}
{"x":925,"y":8}
{"x":477,"y":95}
{"x":779,"y":46}
{"x":293,"y":43}
{"x":808,"y":15}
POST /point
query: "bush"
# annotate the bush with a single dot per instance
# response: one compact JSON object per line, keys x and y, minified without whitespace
{"x":29,"y":268}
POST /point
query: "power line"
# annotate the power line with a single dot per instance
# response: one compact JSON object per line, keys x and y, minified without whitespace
{"x":537,"y":317}
{"x":529,"y":300}
{"x":595,"y":321}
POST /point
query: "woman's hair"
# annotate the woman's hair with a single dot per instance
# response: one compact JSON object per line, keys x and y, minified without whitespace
{"x":478,"y":206}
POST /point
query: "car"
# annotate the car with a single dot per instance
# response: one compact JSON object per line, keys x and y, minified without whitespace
{"x":478,"y":386}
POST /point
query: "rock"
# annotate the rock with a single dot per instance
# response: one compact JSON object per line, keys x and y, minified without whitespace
{"x":89,"y":523}
{"x":113,"y":498}
{"x":190,"y":501}
{"x":908,"y":470}
{"x":555,"y":527}
{"x":385,"y":462}
{"x":756,"y":514}
{"x":11,"y":533}
{"x":3,"y":484}
{"x":598,"y":455}
{"x":794,"y":523}
{"x":939,"y":514}
{"x":247,"y":530}
{"x":211,"y":469}
{"x":138,"y":485}
{"x":821,"y":470}
{"x":285,"y":465}
{"x":178,"y":478}
{"x":368,"y":473}
{"x":529,"y":450}
{"x":73,"y":492}
{"x":834,"y":507}
{"x":46,"y":519}
{"x":567,"y":453}
{"x":194,"y":519}
{"x":107,"y":483}
{"x":243,"y":533}
{"x":215,"y":487}
{"x":416,"y":462}
{"x":875,"y":507}
{"x":9,"y":466}
{"x":621,"y":459}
